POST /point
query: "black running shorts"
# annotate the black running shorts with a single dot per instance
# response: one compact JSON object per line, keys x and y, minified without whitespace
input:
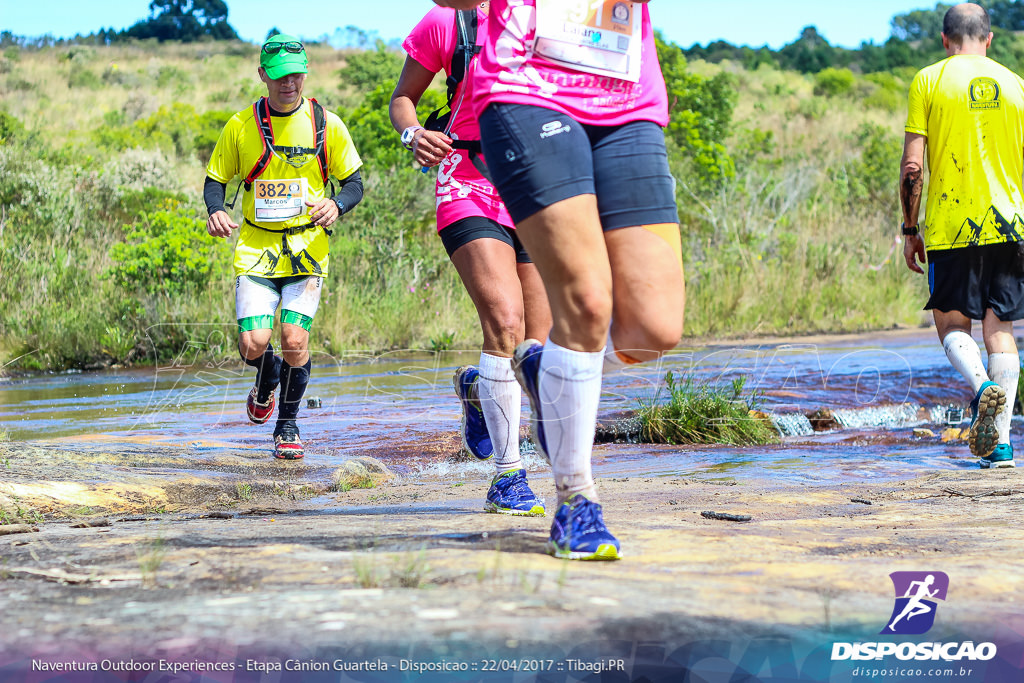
{"x":471,"y":228}
{"x":972,"y":280}
{"x":538,"y":157}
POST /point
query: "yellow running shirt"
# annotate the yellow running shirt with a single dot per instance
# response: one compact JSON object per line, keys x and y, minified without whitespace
{"x":970,"y":108}
{"x":277,"y":254}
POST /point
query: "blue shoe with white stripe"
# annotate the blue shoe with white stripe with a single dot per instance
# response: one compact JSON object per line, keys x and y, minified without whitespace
{"x":511,"y":495}
{"x":578,"y":532}
{"x":526,"y":364}
{"x":475,"y":438}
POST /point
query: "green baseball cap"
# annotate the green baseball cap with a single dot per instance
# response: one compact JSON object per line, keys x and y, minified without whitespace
{"x":286,"y":56}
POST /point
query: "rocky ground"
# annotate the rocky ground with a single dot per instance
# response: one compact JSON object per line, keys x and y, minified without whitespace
{"x":163,"y":552}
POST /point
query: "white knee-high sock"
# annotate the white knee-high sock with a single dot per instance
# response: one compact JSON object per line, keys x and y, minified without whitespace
{"x":570,"y":389}
{"x":615,"y":360}
{"x":501,"y":401}
{"x":963,"y":353}
{"x":1004,"y":369}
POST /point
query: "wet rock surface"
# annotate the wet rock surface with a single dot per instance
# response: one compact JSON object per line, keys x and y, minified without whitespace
{"x":189,"y":551}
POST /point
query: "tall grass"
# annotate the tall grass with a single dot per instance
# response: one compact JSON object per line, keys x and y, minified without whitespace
{"x":696,"y":413}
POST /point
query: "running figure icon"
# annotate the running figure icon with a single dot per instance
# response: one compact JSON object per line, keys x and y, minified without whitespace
{"x":917,"y":595}
{"x":915,"y":606}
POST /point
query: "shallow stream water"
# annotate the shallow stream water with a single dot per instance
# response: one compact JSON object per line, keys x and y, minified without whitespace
{"x":401,"y":409}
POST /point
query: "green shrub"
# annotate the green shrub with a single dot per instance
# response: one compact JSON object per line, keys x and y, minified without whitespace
{"x":833,"y":82}
{"x":873,"y":175}
{"x":170,"y":75}
{"x":210,"y":125}
{"x":115,"y":75}
{"x":700,"y":116}
{"x":371,"y":129}
{"x":82,"y":76}
{"x":172,"y":128}
{"x":139,"y":170}
{"x":10,"y":128}
{"x":890,"y":93}
{"x":366,"y":70}
{"x":19,"y":84}
{"x":168,"y":252}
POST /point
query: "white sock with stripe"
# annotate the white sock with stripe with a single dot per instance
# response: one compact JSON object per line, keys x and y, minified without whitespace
{"x":501,"y":401}
{"x":570,"y":390}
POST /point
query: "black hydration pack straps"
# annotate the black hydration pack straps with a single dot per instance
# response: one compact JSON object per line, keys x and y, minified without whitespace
{"x":466,"y":24}
{"x":261,"y":113}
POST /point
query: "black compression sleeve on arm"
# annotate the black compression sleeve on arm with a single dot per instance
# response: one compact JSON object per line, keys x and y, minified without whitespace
{"x":213,"y":195}
{"x":351,"y":192}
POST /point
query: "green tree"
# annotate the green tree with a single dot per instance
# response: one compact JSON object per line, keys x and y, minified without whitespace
{"x":1007,"y":14}
{"x":810,"y":53}
{"x":185,"y":20}
{"x":919,"y":24}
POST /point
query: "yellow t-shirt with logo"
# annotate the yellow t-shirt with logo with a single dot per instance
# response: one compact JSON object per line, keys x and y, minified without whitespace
{"x":970,"y":108}
{"x":278,"y":254}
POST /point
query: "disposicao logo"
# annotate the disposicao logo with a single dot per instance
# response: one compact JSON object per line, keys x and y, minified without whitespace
{"x":917,"y":596}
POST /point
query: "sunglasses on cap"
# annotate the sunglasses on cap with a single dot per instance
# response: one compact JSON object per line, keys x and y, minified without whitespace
{"x":294,"y":47}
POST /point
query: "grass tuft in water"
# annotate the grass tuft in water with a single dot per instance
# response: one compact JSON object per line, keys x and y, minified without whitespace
{"x":704,"y":414}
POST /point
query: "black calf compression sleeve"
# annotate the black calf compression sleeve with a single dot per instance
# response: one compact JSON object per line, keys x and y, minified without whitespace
{"x":293,"y":385}
{"x":268,"y":373}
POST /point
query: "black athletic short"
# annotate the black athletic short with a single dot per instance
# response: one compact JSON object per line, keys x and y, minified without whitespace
{"x":538,"y":157}
{"x":972,"y":280}
{"x":473,"y":228}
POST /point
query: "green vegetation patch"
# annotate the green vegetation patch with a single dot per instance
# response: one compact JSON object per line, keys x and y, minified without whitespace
{"x":696,"y":413}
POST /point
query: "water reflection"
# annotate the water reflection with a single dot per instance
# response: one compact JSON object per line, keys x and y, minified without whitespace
{"x":400,"y":407}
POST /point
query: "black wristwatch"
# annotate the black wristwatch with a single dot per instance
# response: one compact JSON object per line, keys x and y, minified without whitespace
{"x":912,"y":230}
{"x":341,"y":206}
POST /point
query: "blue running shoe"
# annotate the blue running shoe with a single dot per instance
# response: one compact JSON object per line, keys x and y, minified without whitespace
{"x":511,"y":495}
{"x":1001,"y":456}
{"x":990,"y":401}
{"x":579,"y":533}
{"x":475,"y":438}
{"x":526,"y":363}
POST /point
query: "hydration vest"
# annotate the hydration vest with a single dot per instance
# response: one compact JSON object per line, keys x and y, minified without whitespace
{"x":261,"y":112}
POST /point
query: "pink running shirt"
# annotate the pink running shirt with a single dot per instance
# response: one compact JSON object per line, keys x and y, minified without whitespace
{"x":461,"y":191}
{"x":510,"y":71}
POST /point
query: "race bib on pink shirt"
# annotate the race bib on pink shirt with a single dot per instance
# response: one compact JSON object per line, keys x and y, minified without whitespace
{"x":595,"y":36}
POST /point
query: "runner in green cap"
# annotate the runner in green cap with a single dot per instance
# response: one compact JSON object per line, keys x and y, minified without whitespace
{"x":286,"y":148}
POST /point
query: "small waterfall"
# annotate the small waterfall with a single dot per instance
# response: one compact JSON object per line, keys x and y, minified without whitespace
{"x":792,"y":424}
{"x":904,"y":415}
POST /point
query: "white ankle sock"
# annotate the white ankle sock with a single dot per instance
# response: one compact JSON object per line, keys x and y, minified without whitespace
{"x":1004,"y":369}
{"x":501,"y":401}
{"x":963,"y":353}
{"x":570,"y":389}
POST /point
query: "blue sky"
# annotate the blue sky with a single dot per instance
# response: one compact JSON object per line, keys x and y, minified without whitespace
{"x":742,"y":22}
